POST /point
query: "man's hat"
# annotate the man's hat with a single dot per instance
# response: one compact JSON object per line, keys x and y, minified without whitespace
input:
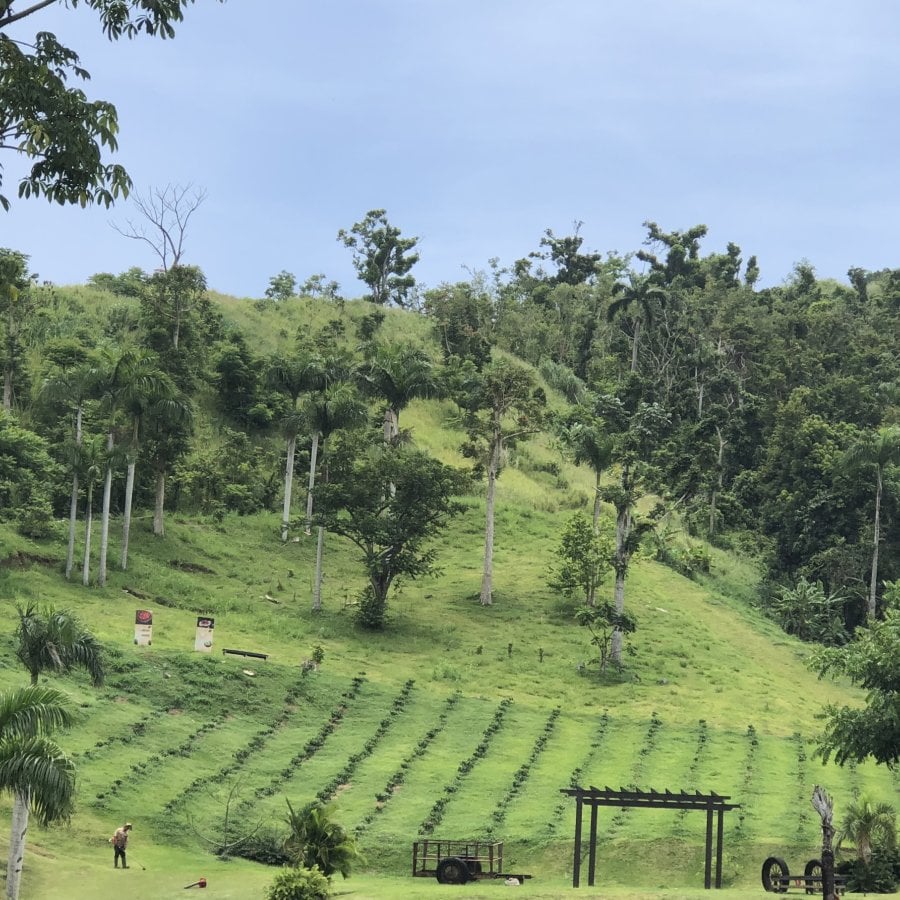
{"x":128,"y":825}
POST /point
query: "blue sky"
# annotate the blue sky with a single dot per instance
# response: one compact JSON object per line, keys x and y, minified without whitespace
{"x":478,"y":124}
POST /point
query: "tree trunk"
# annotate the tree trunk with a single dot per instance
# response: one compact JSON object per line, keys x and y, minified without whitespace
{"x":126,"y":522}
{"x":615,"y":648}
{"x":317,"y":584}
{"x":313,"y":455}
{"x":288,"y":482}
{"x":623,"y":530}
{"x":16,"y":858}
{"x":104,"y":521}
{"x":487,"y":578}
{"x":597,"y":504}
{"x":159,"y":525}
{"x":873,"y":580}
{"x":7,"y":388}
{"x":391,"y":430}
{"x":320,"y":549}
{"x":73,"y":505}
{"x":720,"y":477}
{"x":634,"y":344}
{"x":73,"y":519}
{"x":88,"y":523}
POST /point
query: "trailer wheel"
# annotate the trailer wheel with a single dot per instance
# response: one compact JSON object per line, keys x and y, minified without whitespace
{"x":452,"y":870}
{"x":774,"y":869}
{"x":813,"y":867}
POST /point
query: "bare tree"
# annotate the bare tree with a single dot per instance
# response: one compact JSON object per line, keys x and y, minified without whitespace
{"x":165,"y":215}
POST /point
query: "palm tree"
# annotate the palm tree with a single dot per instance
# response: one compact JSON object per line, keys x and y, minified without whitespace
{"x":315,"y":839}
{"x":500,"y":406}
{"x":88,"y":460}
{"x":640,"y":291}
{"x":293,"y":376}
{"x":398,"y":373}
{"x":869,"y":825}
{"x":54,"y":640}
{"x":336,"y":408}
{"x":160,"y":400}
{"x":72,"y":387}
{"x":121,"y":378}
{"x":880,"y":449}
{"x":335,"y":369}
{"x":33,"y":768}
{"x":593,"y":446}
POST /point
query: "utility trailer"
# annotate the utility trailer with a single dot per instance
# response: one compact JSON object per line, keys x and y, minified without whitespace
{"x":456,"y":862}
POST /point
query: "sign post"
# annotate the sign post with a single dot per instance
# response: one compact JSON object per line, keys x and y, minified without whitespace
{"x":143,"y":627}
{"x":204,"y":639}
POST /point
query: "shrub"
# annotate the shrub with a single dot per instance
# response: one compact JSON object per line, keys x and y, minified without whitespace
{"x":299,"y":884}
{"x":809,"y":613}
{"x":266,"y":847}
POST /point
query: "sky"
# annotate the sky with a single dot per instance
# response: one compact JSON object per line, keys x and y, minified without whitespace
{"x":478,"y":124}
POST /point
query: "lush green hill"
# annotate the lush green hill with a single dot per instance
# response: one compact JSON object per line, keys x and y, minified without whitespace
{"x":458,"y":721}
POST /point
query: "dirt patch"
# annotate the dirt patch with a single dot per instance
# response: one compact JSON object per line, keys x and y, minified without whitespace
{"x":176,"y":711}
{"x":190,"y":567}
{"x":19,"y":559}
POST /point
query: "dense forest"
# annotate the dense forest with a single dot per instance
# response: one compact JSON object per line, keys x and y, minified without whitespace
{"x":762,"y":419}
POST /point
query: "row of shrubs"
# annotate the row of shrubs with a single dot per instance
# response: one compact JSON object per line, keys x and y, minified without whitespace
{"x":399,"y":776}
{"x":522,"y":773}
{"x":436,"y":814}
{"x":328,"y":790}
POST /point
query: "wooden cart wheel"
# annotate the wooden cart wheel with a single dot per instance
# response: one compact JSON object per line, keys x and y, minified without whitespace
{"x":773,"y":871}
{"x":813,"y":867}
{"x":452,"y":870}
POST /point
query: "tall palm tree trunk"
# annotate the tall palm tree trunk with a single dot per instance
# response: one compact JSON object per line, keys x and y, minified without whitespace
{"x":320,"y":551}
{"x":16,"y":858}
{"x":159,"y":524}
{"x":317,"y":584}
{"x":597,"y":503}
{"x":126,"y":522}
{"x":873,"y":580}
{"x":73,"y":504}
{"x":73,"y":519}
{"x":487,"y":577}
{"x":313,"y":455}
{"x":88,"y":523}
{"x":288,"y":483}
{"x":634,"y":344}
{"x":620,"y":564}
{"x":7,"y":389}
{"x":104,"y":520}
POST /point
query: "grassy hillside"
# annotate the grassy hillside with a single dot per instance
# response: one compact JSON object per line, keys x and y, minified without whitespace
{"x":716,"y":698}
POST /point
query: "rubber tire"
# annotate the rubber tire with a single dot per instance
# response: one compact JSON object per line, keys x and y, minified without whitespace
{"x":771,"y":864}
{"x":813,"y":867}
{"x":452,"y":870}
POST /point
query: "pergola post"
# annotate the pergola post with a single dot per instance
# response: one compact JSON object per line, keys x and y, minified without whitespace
{"x":720,"y":835}
{"x":576,"y":864}
{"x":707,"y":872}
{"x":592,"y":849}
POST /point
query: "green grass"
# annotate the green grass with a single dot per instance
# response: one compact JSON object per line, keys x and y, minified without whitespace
{"x":715,"y":698}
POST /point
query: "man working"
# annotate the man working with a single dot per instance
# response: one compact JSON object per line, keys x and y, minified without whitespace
{"x":120,"y":841}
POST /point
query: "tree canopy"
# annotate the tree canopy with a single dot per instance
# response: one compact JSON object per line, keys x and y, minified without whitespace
{"x":48,"y":118}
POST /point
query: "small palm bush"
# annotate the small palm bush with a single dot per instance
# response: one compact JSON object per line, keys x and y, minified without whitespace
{"x":315,"y":839}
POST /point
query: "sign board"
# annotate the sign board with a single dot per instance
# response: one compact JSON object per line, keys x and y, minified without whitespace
{"x":143,"y":627}
{"x":204,"y":638}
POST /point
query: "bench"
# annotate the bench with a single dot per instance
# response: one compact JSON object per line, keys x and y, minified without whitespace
{"x":250,"y":653}
{"x":812,"y":883}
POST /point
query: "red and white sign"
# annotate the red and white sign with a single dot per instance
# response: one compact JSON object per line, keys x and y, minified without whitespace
{"x":204,"y":638}
{"x":143,"y":627}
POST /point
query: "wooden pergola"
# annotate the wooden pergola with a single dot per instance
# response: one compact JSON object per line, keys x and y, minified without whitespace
{"x":713,"y":804}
